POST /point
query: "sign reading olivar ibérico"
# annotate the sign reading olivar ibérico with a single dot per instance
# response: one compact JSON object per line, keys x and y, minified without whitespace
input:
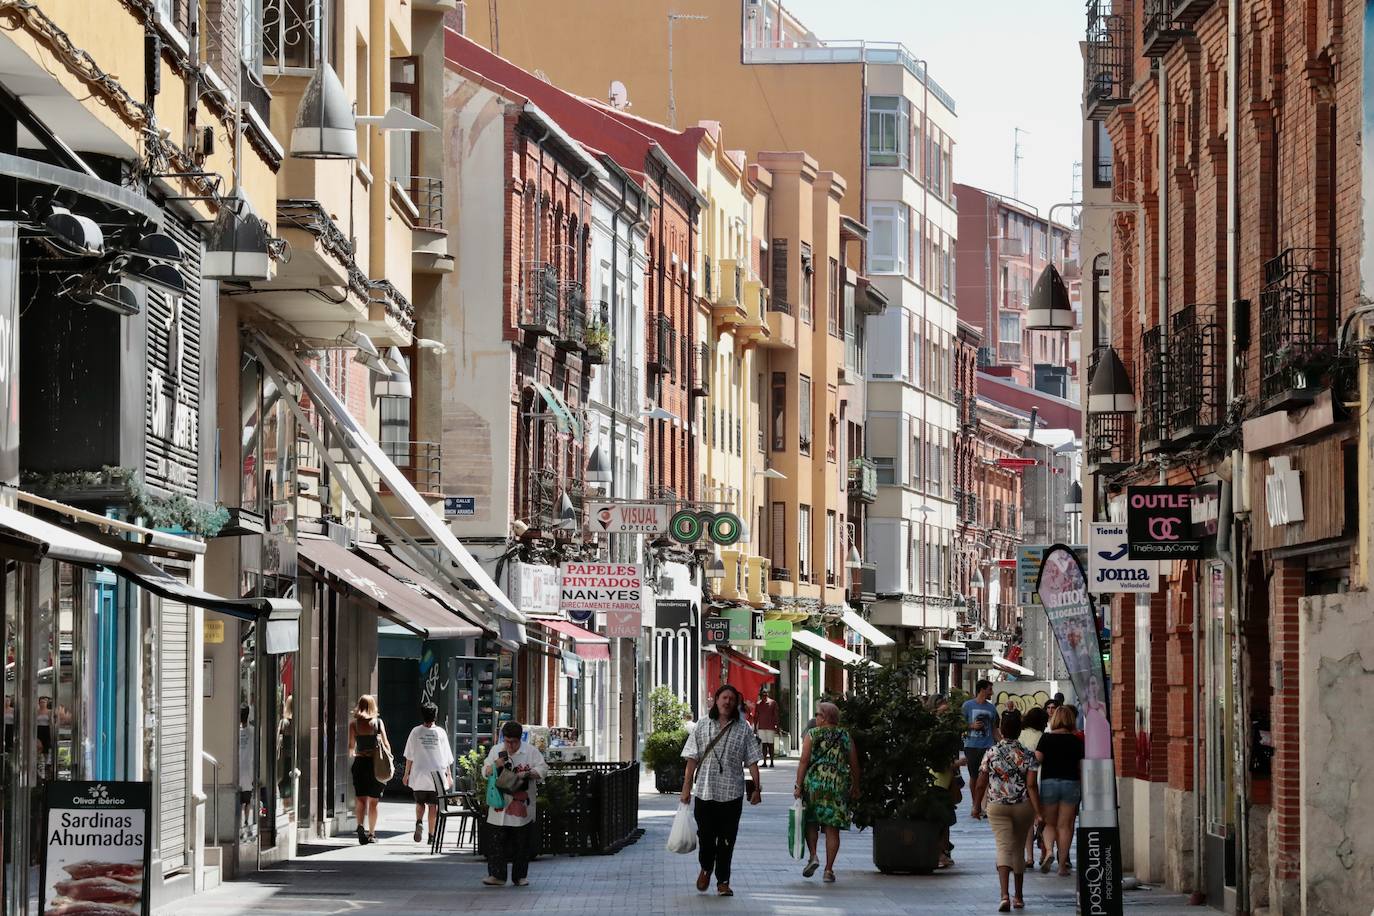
{"x":1159,"y":523}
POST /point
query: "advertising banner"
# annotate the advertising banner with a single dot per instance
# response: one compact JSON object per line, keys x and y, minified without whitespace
{"x":1110,"y":567}
{"x":628,"y":518}
{"x":1028,"y":557}
{"x":1159,"y":523}
{"x":589,"y":588}
{"x":534,"y":588}
{"x":1063,"y":591}
{"x":97,"y":848}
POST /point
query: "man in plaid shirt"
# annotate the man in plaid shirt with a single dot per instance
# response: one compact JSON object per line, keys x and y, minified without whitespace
{"x":719,"y":749}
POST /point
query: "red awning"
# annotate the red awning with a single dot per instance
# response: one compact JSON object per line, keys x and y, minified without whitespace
{"x":588,"y":644}
{"x":747,"y":674}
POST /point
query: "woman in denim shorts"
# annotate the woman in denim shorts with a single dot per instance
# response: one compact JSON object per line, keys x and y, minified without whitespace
{"x":1060,"y":753}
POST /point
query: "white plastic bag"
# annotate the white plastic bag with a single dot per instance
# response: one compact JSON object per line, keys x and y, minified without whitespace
{"x":683,"y":837}
{"x":796,"y":830}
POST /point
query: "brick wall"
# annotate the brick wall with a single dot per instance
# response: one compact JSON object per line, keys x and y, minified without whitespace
{"x":1286,"y":586}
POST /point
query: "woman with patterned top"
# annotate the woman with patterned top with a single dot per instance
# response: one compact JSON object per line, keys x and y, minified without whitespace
{"x":827,"y":777}
{"x":1007,"y":791}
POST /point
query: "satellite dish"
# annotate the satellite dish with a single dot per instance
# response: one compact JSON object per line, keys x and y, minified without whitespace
{"x":618,"y":97}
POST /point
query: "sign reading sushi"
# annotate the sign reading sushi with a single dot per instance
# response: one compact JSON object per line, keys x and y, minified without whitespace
{"x":97,"y":852}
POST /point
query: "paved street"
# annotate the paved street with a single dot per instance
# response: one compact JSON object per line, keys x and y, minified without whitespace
{"x":398,"y":876}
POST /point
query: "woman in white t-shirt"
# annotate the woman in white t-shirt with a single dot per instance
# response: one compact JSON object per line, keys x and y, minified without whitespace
{"x":427,"y":753}
{"x":514,"y":823}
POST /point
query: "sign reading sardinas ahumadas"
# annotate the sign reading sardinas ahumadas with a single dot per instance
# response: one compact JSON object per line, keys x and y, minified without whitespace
{"x":589,"y":588}
{"x":96,"y":854}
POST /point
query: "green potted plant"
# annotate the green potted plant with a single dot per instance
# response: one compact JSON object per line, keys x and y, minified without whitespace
{"x":663,"y":747}
{"x":902,"y":741}
{"x":598,"y":340}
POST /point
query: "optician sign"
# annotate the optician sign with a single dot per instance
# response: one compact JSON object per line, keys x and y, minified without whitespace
{"x":96,"y":849}
{"x":1159,"y":523}
{"x":1110,"y":568}
{"x":606,"y":587}
{"x":628,"y":518}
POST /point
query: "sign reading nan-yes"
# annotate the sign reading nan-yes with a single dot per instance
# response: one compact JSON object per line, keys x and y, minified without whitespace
{"x":605,"y":587}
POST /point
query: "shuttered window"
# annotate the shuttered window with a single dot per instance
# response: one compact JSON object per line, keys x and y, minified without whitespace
{"x":778,"y":531}
{"x":778,"y":292}
{"x":173,"y":733}
{"x":172,"y":397}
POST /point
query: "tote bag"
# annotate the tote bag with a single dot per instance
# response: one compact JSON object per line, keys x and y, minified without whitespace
{"x":383,"y":764}
{"x":496,"y":801}
{"x":796,"y":830}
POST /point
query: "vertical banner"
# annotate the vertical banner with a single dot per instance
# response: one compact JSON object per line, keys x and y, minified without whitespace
{"x":97,"y":848}
{"x":1063,"y":591}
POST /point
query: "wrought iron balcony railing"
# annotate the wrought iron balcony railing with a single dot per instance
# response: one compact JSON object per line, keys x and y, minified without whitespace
{"x":1187,"y":12}
{"x":572,"y":330}
{"x":1107,"y":69}
{"x":662,"y":357}
{"x":422,"y":463}
{"x":1161,"y":30}
{"x":1154,"y":408}
{"x":546,"y":490}
{"x":539,"y":301}
{"x":701,"y":371}
{"x":1299,"y":312}
{"x":863,"y":480}
{"x":1197,"y":373}
{"x":427,"y":194}
{"x":1110,"y":442}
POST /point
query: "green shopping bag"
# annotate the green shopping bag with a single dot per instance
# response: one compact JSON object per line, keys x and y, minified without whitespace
{"x":496,"y":799}
{"x":796,"y":830}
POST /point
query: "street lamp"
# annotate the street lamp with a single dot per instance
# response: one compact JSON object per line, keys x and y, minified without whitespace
{"x":977,"y":581}
{"x":1050,"y":309}
{"x":854,"y":561}
{"x":598,"y":470}
{"x":1110,"y":389}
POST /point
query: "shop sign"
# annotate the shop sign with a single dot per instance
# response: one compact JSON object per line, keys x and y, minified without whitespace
{"x":460,"y":506}
{"x":1206,"y":509}
{"x":746,"y":625}
{"x":214,"y":632}
{"x":96,"y":847}
{"x":777,"y":637}
{"x":588,"y":588}
{"x":1159,"y":523}
{"x":628,"y":518}
{"x":716,"y":631}
{"x":689,"y":526}
{"x":1110,"y":568}
{"x":534,"y":588}
{"x":624,"y":624}
{"x":1283,"y":493}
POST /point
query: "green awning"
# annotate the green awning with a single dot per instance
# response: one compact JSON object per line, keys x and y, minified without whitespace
{"x":561,"y":415}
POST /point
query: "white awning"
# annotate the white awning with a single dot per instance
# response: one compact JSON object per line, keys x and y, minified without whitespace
{"x":48,"y":541}
{"x":829,"y":650}
{"x":871,"y":634}
{"x":1010,"y":667}
{"x":950,"y":644}
{"x":147,"y":537}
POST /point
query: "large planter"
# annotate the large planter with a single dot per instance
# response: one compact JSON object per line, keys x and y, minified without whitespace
{"x":906,"y":847}
{"x":668,"y":779}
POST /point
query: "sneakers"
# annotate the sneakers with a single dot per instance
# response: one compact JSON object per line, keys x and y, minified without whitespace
{"x":493,"y":881}
{"x":363,"y":838}
{"x":723,"y":889}
{"x":521,"y":882}
{"x":419,"y":830}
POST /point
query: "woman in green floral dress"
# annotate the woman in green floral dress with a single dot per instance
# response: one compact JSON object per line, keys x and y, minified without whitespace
{"x":827,"y":778}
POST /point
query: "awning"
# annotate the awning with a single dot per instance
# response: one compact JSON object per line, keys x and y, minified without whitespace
{"x":396,"y":601}
{"x":871,"y":634}
{"x":36,"y":539}
{"x":563,"y":415}
{"x":1010,"y":667}
{"x":739,"y":658}
{"x":403,"y":574}
{"x":829,"y":650}
{"x":747,"y":675}
{"x":133,"y":536}
{"x":590,"y":646}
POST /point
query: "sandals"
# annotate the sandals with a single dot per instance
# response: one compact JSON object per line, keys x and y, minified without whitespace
{"x":1006,"y":905}
{"x":828,"y":877}
{"x":1046,"y":864}
{"x":1017,"y":903}
{"x":810,"y":868}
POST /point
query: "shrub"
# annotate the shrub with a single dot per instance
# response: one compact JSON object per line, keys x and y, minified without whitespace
{"x":666,"y":711}
{"x":662,"y":749}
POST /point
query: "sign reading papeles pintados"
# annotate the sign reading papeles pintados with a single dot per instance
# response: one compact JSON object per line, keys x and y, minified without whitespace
{"x":600,"y":587}
{"x":96,"y":849}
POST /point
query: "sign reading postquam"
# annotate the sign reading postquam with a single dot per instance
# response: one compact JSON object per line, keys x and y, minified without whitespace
{"x":589,"y":588}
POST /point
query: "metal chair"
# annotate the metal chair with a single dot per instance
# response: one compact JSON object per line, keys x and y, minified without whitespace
{"x":460,"y":804}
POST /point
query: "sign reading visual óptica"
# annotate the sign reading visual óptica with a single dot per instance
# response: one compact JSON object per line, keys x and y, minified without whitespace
{"x":96,"y":848}
{"x":1159,"y":523}
{"x":628,"y":518}
{"x":591,"y":587}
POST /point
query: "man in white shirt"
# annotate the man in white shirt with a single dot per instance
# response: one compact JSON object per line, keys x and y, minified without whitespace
{"x":427,"y":752}
{"x":514,"y":822}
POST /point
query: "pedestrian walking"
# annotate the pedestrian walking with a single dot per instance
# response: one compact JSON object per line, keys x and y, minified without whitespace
{"x":1033,"y":726}
{"x":366,"y":736}
{"x":720,"y":747}
{"x":981,"y":717}
{"x":1060,"y":754}
{"x":428,"y":758}
{"x":1007,"y":788}
{"x":766,"y":718}
{"x":827,"y":779}
{"x":519,"y":765}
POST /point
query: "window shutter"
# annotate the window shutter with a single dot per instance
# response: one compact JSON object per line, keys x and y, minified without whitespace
{"x":778,"y":531}
{"x":779,"y":288}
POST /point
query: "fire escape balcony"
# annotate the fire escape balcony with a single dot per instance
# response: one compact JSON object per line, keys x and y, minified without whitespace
{"x":1299,"y":314}
{"x":1154,"y":408}
{"x":572,"y":330}
{"x":1188,"y":12}
{"x":1107,"y":70}
{"x":539,"y":300}
{"x":1197,"y":369}
{"x":1162,"y":31}
{"x":663,"y":337}
{"x":863,"y":480}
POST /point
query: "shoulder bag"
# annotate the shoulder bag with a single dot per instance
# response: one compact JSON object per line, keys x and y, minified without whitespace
{"x":383,"y":764}
{"x":711,"y":746}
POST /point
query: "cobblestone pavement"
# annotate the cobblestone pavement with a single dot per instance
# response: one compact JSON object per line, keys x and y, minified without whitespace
{"x":398,"y":876}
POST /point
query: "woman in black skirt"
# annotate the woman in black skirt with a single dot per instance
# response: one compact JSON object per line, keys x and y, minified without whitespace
{"x":364,"y":732}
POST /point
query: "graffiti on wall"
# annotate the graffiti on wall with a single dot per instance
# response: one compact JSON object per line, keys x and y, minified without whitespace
{"x":1026,"y":695}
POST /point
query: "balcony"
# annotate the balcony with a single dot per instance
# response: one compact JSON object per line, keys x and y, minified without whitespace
{"x":546,"y":488}
{"x":1107,"y":70}
{"x":782,"y":326}
{"x":539,"y":302}
{"x":419,"y":462}
{"x":1162,"y":31}
{"x":1154,"y":406}
{"x":598,"y":337}
{"x":663,"y":336}
{"x":1109,"y":443}
{"x":754,"y":328}
{"x":728,"y":304}
{"x":1009,"y":248}
{"x":863,"y":480}
{"x":426,"y":195}
{"x":1197,"y":366}
{"x":1299,"y":311}
{"x":1009,"y":352}
{"x":572,"y":329}
{"x":701,"y":371}
{"x":1188,"y":12}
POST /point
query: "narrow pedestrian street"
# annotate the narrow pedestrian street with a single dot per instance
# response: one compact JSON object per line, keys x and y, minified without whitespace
{"x":399,"y":876}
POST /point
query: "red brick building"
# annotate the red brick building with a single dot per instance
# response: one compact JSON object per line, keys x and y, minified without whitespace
{"x":1205,"y":671}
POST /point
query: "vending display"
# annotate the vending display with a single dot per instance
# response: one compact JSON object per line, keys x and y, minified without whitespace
{"x":483,"y":698}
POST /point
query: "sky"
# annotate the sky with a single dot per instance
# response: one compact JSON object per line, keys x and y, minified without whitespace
{"x":1008,"y":64}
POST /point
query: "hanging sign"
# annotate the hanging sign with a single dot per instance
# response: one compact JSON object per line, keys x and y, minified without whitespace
{"x":723,"y":528}
{"x":96,"y":848}
{"x":624,"y":624}
{"x":628,"y":518}
{"x":534,"y":588}
{"x":1159,"y":523}
{"x":591,"y":587}
{"x":716,"y":631}
{"x":777,"y":637}
{"x":1110,"y":568}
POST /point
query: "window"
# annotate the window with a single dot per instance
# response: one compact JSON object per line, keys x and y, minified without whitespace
{"x":889,"y":131}
{"x":778,"y":291}
{"x":830,"y":544}
{"x":834,"y":305}
{"x":808,"y":286}
{"x":290,"y":34}
{"x":777,"y":531}
{"x":804,"y":414}
{"x":831,"y":435}
{"x":405,"y":144}
{"x":779,"y":411}
{"x":917,"y":456}
{"x":804,"y":565}
{"x":1102,"y":155}
{"x":886,"y":468}
{"x":889,"y":239}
